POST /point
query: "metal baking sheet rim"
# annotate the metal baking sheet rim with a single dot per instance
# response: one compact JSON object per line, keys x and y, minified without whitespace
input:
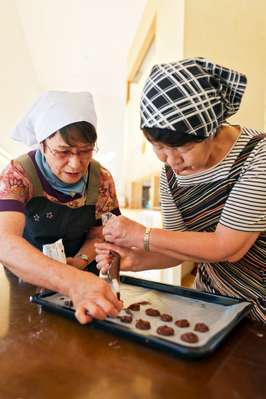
{"x":151,"y":341}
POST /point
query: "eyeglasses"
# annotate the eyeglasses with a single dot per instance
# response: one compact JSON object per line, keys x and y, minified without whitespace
{"x":66,"y":154}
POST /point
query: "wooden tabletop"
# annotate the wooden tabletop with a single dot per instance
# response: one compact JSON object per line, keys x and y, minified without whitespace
{"x":44,"y":355}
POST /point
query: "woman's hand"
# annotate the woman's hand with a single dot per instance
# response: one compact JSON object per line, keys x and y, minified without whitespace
{"x":124,"y":232}
{"x":93,"y":298}
{"x":130,"y":258}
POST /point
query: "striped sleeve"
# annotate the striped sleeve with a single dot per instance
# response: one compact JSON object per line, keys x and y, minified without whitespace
{"x":245,"y":208}
{"x":171,"y":216}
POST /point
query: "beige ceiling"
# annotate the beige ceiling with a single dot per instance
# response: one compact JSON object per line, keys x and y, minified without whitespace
{"x":77,"y":44}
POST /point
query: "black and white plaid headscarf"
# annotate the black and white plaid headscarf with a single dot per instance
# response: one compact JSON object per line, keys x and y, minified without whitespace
{"x":193,"y":95}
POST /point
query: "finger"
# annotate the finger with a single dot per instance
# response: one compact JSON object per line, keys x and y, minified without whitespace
{"x":103,"y":268}
{"x":106,"y":233}
{"x":111,"y":297}
{"x":103,"y":275}
{"x":106,"y":246}
{"x":108,"y":307}
{"x":103,"y":258}
{"x":116,"y":248}
{"x":95,"y":311}
{"x":111,"y":237}
{"x":103,"y":254}
{"x":103,"y":265}
{"x":82,"y":315}
{"x":110,"y":222}
{"x":102,"y":245}
{"x":105,"y":230}
{"x":100,"y":258}
{"x":108,"y":230}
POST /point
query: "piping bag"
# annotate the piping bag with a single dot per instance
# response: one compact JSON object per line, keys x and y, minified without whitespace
{"x":113,"y":274}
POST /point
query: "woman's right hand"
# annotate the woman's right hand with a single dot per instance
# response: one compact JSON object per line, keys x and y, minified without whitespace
{"x":93,"y":298}
{"x":130,"y":258}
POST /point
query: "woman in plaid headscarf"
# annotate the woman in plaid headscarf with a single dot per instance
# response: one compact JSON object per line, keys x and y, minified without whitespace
{"x":213,"y":184}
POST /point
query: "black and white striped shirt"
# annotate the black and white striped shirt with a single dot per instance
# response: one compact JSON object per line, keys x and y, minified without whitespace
{"x":232,"y":193}
{"x":245,"y":208}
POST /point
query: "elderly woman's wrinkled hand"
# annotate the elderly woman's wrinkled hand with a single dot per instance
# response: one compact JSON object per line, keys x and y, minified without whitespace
{"x":124,"y":232}
{"x":93,"y":298}
{"x":130,"y":258}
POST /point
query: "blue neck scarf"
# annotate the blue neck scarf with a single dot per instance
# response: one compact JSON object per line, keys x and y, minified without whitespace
{"x":57,"y":184}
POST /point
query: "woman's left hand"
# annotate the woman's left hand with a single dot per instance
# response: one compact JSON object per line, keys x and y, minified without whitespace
{"x":131,"y":259}
{"x":124,"y":232}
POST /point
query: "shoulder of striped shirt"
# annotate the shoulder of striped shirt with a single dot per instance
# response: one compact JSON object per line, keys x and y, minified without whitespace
{"x":173,"y":220}
{"x":260,"y":149}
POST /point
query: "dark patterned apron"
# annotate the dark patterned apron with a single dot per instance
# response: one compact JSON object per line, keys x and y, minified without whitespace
{"x":46,"y":221}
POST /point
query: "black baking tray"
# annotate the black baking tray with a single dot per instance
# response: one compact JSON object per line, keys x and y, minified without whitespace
{"x":152,"y":341}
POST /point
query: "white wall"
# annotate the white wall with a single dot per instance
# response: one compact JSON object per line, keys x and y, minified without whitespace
{"x":169,"y":30}
{"x":232,"y":33}
{"x":18,"y":81}
{"x":139,"y":158}
{"x":74,"y":45}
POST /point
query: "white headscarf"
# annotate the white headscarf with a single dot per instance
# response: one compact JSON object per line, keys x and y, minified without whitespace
{"x":52,"y":111}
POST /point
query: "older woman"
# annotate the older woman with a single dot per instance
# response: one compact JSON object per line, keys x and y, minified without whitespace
{"x":58,"y":192}
{"x":213,"y":184}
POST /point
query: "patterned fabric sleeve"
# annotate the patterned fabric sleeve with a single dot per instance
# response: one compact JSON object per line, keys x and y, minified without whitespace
{"x":245,"y":208}
{"x":172,"y":219}
{"x":107,"y":200}
{"x":15,"y":188}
